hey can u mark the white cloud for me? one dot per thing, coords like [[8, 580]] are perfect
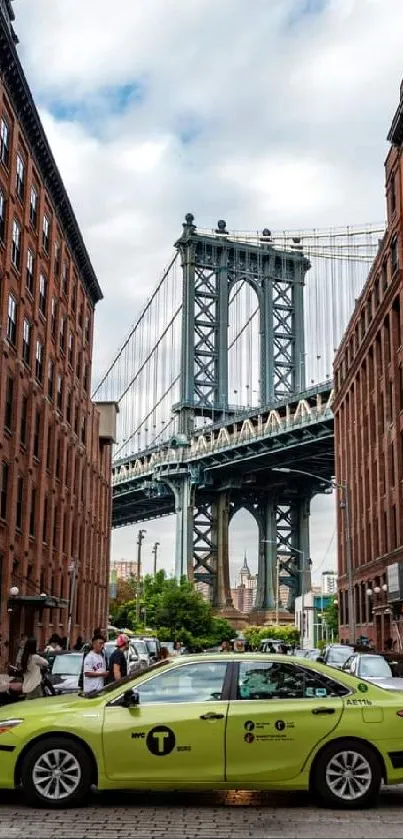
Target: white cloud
[[258, 113]]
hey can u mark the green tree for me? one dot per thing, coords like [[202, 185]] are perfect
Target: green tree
[[331, 616]]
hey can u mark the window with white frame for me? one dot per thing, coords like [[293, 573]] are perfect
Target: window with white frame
[[12, 320], [16, 245], [20, 177]]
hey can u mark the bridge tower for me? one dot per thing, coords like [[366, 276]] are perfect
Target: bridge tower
[[212, 265]]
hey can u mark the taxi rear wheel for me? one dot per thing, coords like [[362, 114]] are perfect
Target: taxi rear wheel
[[347, 774], [56, 773]]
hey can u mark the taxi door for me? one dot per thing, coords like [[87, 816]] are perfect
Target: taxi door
[[177, 731], [281, 712]]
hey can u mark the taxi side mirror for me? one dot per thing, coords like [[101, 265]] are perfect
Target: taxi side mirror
[[130, 699]]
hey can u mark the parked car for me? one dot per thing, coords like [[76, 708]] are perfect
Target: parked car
[[336, 655], [312, 655], [193, 720], [153, 646], [133, 661], [373, 668], [267, 642], [139, 647], [64, 671]]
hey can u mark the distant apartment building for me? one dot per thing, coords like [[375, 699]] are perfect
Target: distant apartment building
[[329, 582], [124, 569]]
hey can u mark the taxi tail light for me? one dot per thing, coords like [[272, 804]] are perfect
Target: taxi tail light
[[400, 713]]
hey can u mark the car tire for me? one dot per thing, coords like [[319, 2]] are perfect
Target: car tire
[[56, 772], [347, 774]]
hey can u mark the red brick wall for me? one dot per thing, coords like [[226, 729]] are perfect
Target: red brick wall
[[70, 471], [368, 412]]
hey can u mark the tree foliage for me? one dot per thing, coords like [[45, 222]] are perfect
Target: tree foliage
[[331, 616], [255, 634], [176, 611]]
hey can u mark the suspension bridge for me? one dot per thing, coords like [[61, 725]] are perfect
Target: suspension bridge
[[225, 378]]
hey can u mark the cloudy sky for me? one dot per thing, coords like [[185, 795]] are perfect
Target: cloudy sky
[[265, 113]]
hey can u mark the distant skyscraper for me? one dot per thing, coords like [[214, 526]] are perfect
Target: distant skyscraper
[[244, 594]]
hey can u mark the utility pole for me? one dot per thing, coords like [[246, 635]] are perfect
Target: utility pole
[[277, 588], [73, 568], [154, 552], [140, 538]]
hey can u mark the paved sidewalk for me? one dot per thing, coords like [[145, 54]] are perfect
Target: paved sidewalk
[[232, 815]]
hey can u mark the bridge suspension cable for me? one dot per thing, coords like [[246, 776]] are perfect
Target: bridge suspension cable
[[144, 376]]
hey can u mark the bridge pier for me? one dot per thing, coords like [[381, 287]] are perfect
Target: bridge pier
[[222, 598], [267, 556]]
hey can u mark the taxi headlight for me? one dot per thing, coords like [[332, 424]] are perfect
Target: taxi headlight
[[6, 725]]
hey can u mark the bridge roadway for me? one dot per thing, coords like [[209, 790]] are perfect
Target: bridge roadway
[[221, 815], [235, 454]]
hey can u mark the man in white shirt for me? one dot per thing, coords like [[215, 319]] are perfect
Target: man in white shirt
[[95, 671]]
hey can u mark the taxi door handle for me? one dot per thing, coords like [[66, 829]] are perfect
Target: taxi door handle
[[323, 710], [212, 716]]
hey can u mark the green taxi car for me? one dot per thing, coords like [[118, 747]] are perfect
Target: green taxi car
[[213, 721]]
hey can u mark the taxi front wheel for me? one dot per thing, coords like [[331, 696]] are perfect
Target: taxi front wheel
[[347, 774], [56, 773]]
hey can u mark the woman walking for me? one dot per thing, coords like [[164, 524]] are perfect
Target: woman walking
[[31, 664]]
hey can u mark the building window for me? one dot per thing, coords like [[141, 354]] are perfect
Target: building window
[[55, 526], [24, 415], [394, 254], [33, 208], [5, 472], [2, 216], [68, 407], [4, 142], [45, 519], [74, 298], [59, 398], [78, 366], [43, 294], [26, 342], [71, 349], [57, 465], [51, 377], [49, 447], [29, 279], [20, 495], [39, 361], [57, 259], [8, 408], [53, 315], [76, 421], [62, 334], [20, 178], [392, 195], [83, 430], [87, 328], [85, 377], [80, 316], [32, 512], [12, 320], [46, 233], [16, 245], [65, 282], [37, 431]]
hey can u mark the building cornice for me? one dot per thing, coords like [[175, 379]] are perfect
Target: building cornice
[[21, 98]]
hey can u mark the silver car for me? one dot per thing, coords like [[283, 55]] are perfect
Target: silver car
[[139, 649], [373, 668]]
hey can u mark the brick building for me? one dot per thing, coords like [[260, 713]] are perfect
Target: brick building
[[368, 412], [55, 446]]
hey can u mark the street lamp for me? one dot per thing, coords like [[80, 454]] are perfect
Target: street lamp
[[345, 505]]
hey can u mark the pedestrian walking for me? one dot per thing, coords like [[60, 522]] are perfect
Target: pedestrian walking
[[31, 664], [54, 644], [118, 659], [94, 667]]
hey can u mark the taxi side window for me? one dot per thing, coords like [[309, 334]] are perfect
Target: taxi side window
[[189, 683], [277, 680]]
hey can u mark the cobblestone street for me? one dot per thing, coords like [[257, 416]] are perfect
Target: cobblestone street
[[202, 816]]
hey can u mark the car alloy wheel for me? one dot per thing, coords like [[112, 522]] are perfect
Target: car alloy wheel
[[348, 775], [56, 774]]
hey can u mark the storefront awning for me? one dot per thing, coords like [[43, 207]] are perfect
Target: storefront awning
[[38, 601]]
